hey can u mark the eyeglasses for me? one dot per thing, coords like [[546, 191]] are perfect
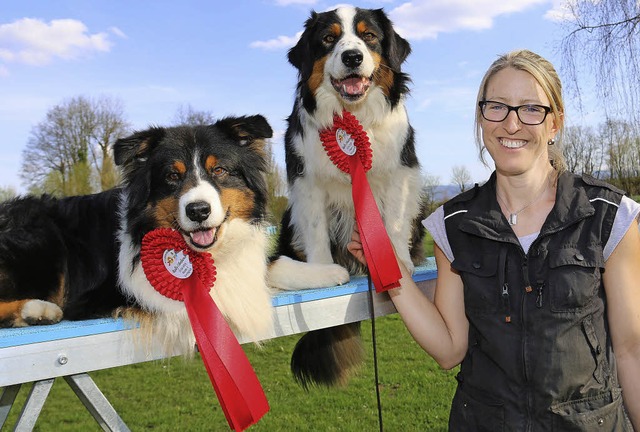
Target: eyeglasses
[[527, 114]]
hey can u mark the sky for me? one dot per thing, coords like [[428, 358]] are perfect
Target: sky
[[230, 58]]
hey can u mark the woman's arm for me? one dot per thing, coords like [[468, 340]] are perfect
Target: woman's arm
[[440, 328], [623, 308]]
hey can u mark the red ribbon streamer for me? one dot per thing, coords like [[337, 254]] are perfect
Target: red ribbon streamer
[[378, 251], [236, 385]]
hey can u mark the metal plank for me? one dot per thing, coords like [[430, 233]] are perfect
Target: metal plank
[[7, 398], [96, 403], [33, 405]]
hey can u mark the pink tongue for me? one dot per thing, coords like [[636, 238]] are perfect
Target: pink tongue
[[202, 238], [352, 85]]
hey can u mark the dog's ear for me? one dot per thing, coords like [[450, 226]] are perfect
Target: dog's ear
[[299, 55], [137, 146], [397, 48], [246, 129]]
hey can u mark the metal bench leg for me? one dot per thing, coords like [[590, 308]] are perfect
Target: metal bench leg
[[7, 398], [33, 405], [96, 403]]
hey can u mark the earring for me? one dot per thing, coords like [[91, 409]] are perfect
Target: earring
[[551, 142]]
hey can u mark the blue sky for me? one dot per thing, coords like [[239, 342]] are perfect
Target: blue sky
[[229, 58]]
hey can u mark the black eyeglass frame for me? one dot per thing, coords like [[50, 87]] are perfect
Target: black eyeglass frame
[[510, 108]]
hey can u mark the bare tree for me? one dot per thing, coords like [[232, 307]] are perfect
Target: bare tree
[[277, 189], [461, 177], [583, 150], [110, 125], [623, 152], [68, 152], [187, 115], [604, 36], [429, 191]]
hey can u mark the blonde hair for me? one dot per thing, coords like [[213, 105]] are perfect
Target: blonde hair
[[545, 74]]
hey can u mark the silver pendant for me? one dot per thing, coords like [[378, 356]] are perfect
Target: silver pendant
[[513, 219]]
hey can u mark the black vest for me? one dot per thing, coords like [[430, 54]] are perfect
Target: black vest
[[539, 355]]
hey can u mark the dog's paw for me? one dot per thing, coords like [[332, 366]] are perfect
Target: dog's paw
[[40, 312], [291, 275], [335, 275]]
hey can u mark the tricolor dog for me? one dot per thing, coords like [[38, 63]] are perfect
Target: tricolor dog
[[79, 257], [347, 59]]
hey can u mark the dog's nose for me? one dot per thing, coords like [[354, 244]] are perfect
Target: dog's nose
[[198, 211], [352, 58]]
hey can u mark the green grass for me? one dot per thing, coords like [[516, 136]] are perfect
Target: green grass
[[176, 394]]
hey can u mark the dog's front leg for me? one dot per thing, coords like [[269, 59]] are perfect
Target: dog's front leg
[[309, 220]]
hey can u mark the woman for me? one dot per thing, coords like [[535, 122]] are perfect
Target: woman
[[536, 285]]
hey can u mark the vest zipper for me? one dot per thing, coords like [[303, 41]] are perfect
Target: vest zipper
[[506, 303]]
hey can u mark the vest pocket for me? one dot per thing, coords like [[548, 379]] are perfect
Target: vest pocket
[[603, 412], [475, 410], [574, 277], [482, 293]]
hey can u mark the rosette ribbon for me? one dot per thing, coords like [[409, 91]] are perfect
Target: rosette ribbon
[[348, 147], [179, 273]]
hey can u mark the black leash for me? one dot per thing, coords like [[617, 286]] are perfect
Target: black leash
[[375, 350]]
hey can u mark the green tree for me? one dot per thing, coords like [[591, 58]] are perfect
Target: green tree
[[7, 193], [277, 189]]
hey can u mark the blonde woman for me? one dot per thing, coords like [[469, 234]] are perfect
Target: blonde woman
[[537, 297]]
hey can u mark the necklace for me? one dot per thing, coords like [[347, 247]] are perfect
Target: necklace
[[513, 215]]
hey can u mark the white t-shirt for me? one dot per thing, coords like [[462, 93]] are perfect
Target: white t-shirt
[[628, 213]]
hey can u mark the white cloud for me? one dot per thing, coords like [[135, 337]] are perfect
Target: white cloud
[[116, 31], [561, 11], [422, 19], [280, 42], [35, 42]]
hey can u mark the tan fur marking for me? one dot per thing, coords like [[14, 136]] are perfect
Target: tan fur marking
[[58, 296], [315, 80], [10, 313], [335, 29], [361, 27], [383, 75], [165, 212], [239, 203], [180, 166], [210, 163]]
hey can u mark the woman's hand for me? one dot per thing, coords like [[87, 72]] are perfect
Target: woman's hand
[[355, 245]]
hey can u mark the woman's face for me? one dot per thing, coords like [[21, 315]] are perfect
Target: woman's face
[[515, 147]]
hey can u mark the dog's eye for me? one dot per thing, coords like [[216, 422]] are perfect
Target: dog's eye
[[173, 177], [369, 37], [218, 171], [329, 39]]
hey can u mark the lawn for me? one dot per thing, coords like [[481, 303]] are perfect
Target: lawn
[[176, 394]]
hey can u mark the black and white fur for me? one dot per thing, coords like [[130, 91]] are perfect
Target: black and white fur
[[348, 58]]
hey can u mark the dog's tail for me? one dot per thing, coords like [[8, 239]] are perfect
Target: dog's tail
[[327, 357]]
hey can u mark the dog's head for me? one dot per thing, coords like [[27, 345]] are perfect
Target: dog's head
[[350, 50], [195, 179]]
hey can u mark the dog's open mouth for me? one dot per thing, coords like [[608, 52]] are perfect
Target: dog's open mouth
[[205, 238], [352, 87]]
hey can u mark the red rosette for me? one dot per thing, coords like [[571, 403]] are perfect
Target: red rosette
[[181, 274], [348, 147], [344, 139], [152, 253]]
